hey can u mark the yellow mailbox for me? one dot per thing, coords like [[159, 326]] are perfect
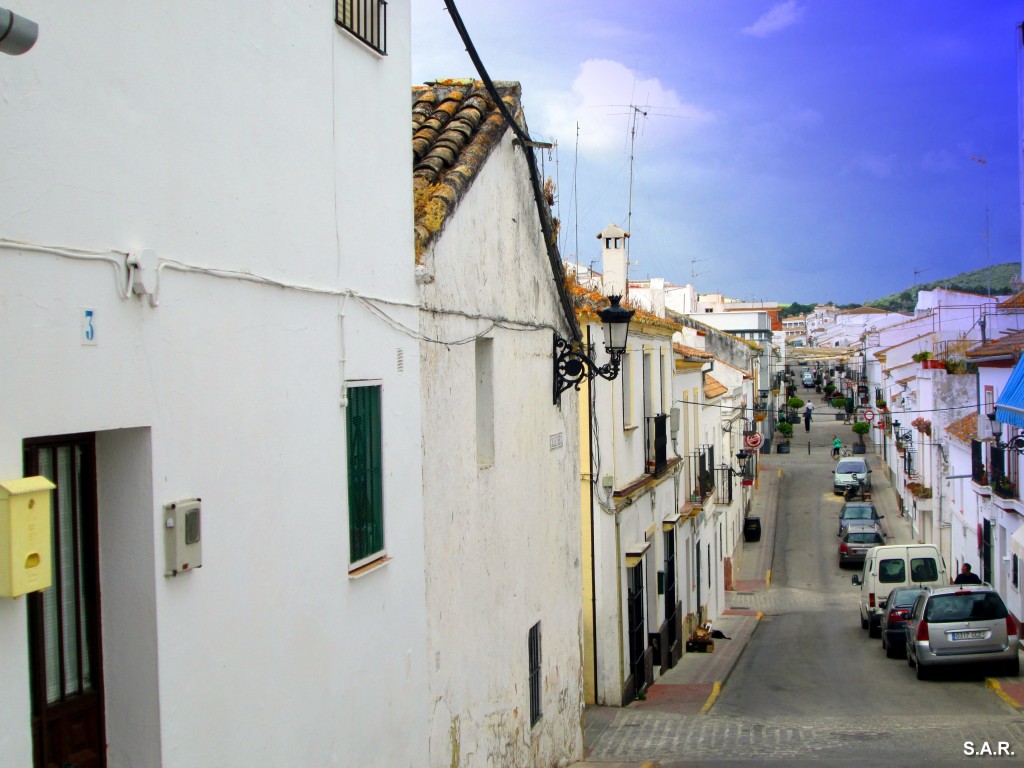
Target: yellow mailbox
[[25, 537]]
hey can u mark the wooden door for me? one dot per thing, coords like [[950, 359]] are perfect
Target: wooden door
[[64, 620]]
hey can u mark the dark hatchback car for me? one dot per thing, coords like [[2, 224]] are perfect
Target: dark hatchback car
[[894, 620], [859, 512], [857, 539]]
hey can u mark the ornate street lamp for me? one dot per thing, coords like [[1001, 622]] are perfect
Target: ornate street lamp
[[573, 365], [1016, 443]]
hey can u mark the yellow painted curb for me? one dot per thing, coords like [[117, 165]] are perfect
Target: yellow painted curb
[[717, 689], [768, 578], [760, 615], [995, 686]]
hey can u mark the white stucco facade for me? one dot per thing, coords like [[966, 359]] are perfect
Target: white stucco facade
[[225, 137], [501, 494], [631, 520]]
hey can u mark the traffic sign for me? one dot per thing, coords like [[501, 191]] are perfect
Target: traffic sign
[[753, 441], [869, 415]]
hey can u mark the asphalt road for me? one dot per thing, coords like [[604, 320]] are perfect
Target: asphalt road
[[811, 685]]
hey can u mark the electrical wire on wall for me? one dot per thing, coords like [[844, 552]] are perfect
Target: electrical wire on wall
[[375, 305]]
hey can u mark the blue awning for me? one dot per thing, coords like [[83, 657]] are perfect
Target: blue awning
[[1010, 405]]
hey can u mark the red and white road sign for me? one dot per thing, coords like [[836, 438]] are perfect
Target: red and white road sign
[[869, 415], [753, 441]]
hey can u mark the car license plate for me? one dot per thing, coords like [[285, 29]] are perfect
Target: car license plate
[[978, 635]]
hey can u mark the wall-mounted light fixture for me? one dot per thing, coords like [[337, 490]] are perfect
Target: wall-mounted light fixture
[[1016, 443], [573, 365], [17, 34]]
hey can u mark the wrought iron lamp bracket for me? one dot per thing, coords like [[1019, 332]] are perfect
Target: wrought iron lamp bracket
[[573, 366], [1016, 443]]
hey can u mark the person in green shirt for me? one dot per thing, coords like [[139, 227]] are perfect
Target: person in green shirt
[[836, 445]]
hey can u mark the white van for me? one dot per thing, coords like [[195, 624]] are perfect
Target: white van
[[895, 565]]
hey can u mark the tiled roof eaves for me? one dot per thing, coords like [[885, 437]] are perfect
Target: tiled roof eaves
[[1014, 302], [686, 351], [455, 128], [1011, 345], [886, 350], [965, 429], [713, 387]]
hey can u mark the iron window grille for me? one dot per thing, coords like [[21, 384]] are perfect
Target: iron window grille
[[535, 680], [366, 19]]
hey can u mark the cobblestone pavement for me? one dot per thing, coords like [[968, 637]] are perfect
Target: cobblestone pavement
[[638, 737]]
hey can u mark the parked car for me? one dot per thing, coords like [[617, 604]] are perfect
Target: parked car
[[893, 566], [859, 512], [961, 625], [857, 539], [851, 472], [808, 379], [894, 620]]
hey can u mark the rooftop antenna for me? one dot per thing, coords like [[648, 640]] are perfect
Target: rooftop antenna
[[918, 272], [694, 274], [988, 243]]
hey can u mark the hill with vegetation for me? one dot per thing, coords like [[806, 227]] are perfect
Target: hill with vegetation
[[999, 279]]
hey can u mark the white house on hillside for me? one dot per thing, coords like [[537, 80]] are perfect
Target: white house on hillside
[[500, 487], [209, 322]]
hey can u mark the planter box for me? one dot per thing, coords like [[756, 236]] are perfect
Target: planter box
[[782, 447], [933, 364], [858, 448], [840, 416]]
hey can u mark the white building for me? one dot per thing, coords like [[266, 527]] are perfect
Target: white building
[[500, 489], [630, 513], [207, 292]]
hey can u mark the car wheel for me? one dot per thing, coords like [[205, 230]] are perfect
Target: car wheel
[[891, 652], [1012, 668], [874, 631], [863, 623], [923, 673], [910, 659]]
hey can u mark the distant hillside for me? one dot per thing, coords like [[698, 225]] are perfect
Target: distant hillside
[[1005, 279]]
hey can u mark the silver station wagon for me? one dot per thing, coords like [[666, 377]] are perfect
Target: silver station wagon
[[966, 624]]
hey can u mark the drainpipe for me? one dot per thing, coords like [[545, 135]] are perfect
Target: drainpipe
[[593, 521]]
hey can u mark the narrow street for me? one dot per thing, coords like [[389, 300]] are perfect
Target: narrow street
[[810, 684]]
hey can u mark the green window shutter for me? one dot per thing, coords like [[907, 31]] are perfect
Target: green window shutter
[[365, 507]]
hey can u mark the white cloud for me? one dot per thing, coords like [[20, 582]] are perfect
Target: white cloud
[[879, 166], [599, 101], [777, 18]]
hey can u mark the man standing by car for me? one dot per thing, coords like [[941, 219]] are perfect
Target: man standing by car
[[966, 576]]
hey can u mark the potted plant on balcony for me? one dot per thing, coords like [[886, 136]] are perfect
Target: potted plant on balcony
[[860, 428], [786, 430], [1003, 487]]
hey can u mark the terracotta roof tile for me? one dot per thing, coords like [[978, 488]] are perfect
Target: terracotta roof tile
[[588, 302], [686, 351], [965, 429], [455, 126], [1014, 302], [713, 387], [1011, 344]]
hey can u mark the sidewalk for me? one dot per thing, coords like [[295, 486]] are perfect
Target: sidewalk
[[692, 686]]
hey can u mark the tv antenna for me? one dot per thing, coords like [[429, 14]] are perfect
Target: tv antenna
[[918, 272], [694, 274]]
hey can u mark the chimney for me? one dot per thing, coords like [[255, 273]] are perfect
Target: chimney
[[613, 257], [658, 296]]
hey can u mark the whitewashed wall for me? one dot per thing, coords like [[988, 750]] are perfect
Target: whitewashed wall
[[503, 541], [251, 137]]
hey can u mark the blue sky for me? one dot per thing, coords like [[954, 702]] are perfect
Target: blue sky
[[804, 150]]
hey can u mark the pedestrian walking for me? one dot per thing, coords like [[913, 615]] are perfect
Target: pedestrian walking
[[965, 576], [836, 445], [807, 419]]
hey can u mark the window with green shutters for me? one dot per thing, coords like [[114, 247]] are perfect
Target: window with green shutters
[[365, 503]]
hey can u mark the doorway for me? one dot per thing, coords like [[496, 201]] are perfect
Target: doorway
[[64, 621]]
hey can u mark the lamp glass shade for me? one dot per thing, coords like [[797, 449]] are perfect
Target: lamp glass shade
[[616, 325]]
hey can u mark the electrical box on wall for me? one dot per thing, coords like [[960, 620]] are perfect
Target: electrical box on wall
[[26, 539], [183, 541]]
